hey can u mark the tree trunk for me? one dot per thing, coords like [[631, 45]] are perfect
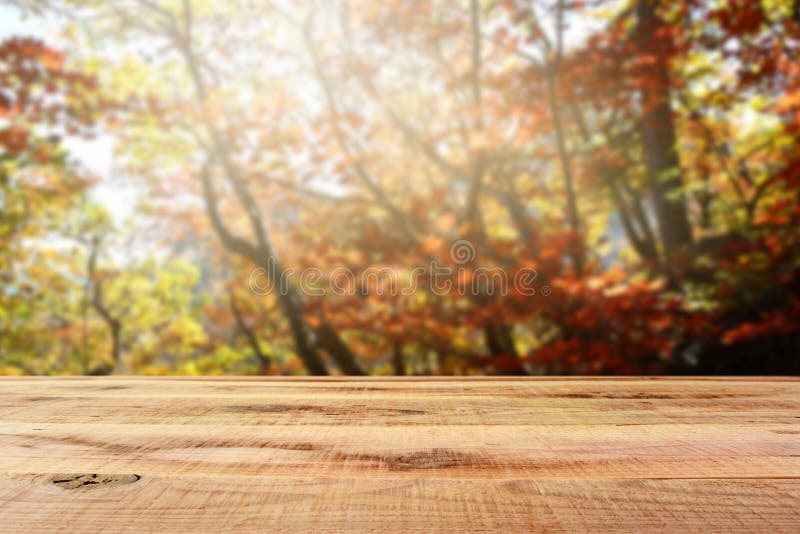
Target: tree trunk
[[328, 339], [499, 341], [398, 360], [116, 347], [252, 340], [573, 215], [302, 343], [658, 132]]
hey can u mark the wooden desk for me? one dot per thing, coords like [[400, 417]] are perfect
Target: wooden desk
[[399, 455]]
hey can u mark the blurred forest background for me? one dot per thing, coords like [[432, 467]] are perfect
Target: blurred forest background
[[641, 155]]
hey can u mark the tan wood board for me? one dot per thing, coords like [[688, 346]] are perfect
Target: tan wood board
[[399, 455]]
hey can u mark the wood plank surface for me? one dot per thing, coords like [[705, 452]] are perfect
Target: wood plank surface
[[399, 455]]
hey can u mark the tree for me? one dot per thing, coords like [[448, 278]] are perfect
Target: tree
[[640, 159]]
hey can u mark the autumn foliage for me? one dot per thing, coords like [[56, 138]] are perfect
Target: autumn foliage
[[639, 156]]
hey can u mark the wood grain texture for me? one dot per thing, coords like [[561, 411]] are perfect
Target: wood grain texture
[[399, 455]]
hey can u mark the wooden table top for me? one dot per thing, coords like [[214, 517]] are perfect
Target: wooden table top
[[399, 455]]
